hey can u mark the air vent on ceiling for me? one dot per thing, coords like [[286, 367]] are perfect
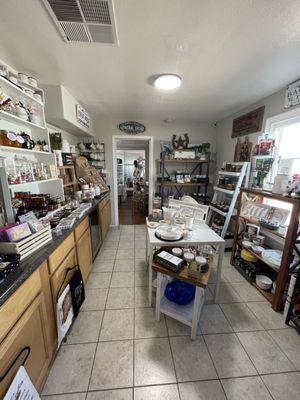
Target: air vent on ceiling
[[84, 20]]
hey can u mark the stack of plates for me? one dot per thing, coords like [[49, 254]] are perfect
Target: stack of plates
[[169, 232], [272, 257]]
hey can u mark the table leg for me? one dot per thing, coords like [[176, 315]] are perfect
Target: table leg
[[158, 296], [150, 273], [219, 270], [147, 249], [198, 304]]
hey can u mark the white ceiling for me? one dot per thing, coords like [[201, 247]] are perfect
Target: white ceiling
[[230, 53]]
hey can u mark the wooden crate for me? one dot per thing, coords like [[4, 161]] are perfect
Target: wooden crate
[[28, 245]]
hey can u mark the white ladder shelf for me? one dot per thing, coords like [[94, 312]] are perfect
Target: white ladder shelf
[[220, 194]]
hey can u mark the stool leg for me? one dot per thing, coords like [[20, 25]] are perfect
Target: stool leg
[[158, 296], [198, 304]]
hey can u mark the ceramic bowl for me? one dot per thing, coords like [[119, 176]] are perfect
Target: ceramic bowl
[[246, 244]]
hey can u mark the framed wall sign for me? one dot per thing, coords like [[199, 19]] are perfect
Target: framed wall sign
[[82, 116], [292, 94], [131, 127], [248, 123]]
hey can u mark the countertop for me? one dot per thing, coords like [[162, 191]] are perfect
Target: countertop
[[26, 268]]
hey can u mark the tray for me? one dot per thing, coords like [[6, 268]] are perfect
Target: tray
[[168, 240]]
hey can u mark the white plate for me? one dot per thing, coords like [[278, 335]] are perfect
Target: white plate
[[169, 232], [273, 257], [152, 224]]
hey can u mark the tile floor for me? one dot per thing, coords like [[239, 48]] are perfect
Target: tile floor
[[117, 351]]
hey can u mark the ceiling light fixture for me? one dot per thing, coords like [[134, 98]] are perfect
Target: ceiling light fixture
[[167, 82]]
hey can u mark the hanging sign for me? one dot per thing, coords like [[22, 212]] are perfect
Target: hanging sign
[[292, 94], [248, 123], [131, 127], [82, 116]]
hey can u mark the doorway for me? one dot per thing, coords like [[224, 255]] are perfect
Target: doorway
[[133, 179]]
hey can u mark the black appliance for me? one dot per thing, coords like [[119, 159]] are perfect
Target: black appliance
[[96, 238]]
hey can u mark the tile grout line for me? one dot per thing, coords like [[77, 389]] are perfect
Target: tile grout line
[[133, 342], [93, 363]]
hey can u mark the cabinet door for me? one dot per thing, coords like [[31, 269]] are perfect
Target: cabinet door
[[105, 218], [59, 275], [84, 254], [29, 331]]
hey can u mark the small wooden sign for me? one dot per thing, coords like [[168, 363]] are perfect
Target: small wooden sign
[[131, 127], [248, 123], [292, 94]]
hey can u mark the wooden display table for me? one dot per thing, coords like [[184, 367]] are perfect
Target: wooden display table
[[188, 314]]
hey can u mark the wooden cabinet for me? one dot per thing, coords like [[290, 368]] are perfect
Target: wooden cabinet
[[28, 333], [60, 253], [84, 254], [81, 228], [104, 216]]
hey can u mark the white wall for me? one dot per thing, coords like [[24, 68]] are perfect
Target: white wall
[[274, 105], [105, 128]]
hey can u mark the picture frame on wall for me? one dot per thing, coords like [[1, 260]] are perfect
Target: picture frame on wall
[[248, 123]]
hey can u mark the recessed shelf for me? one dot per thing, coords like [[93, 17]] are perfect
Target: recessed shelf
[[180, 184]]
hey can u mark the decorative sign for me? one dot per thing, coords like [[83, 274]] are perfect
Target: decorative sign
[[248, 123], [131, 127], [292, 94], [82, 116]]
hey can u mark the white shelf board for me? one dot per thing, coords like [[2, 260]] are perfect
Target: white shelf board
[[33, 183], [13, 118], [218, 211], [18, 149], [183, 314], [11, 87], [228, 173], [223, 190]]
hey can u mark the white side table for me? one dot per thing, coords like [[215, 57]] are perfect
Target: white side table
[[201, 234], [187, 314]]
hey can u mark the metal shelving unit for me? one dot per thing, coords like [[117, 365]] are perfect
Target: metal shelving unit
[[197, 168]]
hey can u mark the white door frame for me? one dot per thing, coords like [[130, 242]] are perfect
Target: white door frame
[[150, 161]]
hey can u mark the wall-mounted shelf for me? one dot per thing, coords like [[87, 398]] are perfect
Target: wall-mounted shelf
[[17, 185], [16, 91], [15, 119], [20, 149]]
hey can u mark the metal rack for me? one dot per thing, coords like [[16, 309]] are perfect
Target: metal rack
[[197, 167]]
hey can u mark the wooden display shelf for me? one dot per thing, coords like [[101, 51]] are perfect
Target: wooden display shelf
[[290, 241], [268, 295], [274, 196], [185, 161], [262, 228], [257, 256], [180, 184], [183, 275], [69, 184]]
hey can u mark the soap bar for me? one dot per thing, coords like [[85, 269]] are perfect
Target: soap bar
[[18, 232]]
